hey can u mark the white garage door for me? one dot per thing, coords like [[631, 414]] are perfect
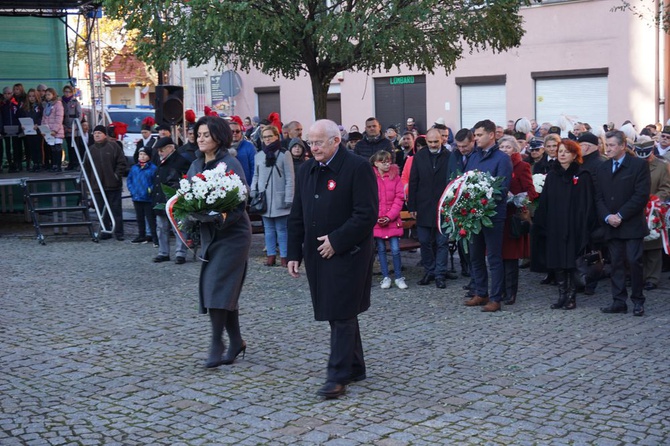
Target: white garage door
[[479, 102], [584, 98]]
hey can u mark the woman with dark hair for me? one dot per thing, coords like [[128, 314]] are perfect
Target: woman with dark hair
[[33, 143], [274, 175], [225, 240], [566, 217]]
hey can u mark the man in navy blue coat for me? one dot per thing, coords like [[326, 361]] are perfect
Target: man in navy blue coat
[[488, 243], [330, 226], [623, 184]]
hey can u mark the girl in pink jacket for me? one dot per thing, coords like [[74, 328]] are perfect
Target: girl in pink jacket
[[53, 118], [389, 223]]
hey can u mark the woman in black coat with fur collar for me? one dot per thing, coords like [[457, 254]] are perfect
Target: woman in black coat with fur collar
[[566, 217]]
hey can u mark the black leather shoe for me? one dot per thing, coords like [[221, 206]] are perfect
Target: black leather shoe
[[440, 283], [638, 310], [650, 286], [332, 390], [105, 236], [159, 259], [426, 279], [450, 275], [613, 309], [179, 260]]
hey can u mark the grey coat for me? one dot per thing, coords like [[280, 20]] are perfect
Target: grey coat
[[279, 192], [225, 250]]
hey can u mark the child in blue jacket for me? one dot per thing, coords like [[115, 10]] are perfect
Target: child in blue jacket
[[140, 181]]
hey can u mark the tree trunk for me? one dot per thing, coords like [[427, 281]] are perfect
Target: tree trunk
[[320, 84]]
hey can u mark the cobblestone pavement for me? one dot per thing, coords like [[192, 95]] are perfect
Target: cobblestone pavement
[[98, 345]]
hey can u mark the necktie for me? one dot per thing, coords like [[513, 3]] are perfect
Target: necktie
[[616, 166], [465, 160]]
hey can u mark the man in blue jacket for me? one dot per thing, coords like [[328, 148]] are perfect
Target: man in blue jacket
[[488, 243]]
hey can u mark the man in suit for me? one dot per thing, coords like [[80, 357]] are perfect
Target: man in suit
[[330, 226], [427, 180], [622, 185], [465, 145], [487, 245]]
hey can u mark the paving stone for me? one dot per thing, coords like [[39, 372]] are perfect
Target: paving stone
[[110, 351]]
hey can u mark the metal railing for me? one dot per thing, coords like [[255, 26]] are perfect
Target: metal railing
[[100, 212]]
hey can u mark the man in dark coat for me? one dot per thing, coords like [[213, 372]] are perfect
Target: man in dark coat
[[427, 180], [110, 165], [334, 210], [622, 192], [592, 159], [373, 141], [171, 168], [458, 161], [487, 245]]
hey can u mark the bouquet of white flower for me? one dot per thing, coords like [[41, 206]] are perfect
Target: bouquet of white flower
[[209, 193], [468, 204], [538, 182]]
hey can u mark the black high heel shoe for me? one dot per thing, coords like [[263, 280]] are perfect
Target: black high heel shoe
[[215, 353], [227, 360]]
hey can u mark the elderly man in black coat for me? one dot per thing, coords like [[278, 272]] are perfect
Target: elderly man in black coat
[[623, 184], [330, 227]]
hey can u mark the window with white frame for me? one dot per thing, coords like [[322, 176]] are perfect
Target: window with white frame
[[199, 94]]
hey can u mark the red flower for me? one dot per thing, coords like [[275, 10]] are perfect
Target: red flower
[[575, 180], [656, 220], [464, 211], [462, 233], [201, 176], [466, 195], [473, 211], [485, 201]]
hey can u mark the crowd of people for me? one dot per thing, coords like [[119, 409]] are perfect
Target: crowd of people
[[39, 147], [335, 196]]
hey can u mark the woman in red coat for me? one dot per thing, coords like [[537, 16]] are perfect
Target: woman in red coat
[[514, 249], [389, 224]]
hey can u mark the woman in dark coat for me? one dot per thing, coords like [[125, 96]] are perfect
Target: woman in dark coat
[[566, 216], [225, 242], [514, 249]]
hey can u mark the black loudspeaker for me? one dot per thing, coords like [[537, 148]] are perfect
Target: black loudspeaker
[[169, 104]]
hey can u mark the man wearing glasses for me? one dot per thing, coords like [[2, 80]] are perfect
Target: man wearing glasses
[[330, 227], [663, 145]]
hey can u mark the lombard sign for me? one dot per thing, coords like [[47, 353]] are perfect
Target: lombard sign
[[401, 80]]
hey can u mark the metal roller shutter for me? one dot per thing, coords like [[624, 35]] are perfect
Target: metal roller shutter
[[584, 98], [480, 102]]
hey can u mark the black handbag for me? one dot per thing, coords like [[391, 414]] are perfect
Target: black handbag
[[589, 267], [259, 204], [519, 224]]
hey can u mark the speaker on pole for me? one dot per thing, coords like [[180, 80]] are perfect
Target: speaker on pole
[[169, 104]]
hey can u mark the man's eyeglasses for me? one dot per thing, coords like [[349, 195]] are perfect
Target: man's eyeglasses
[[319, 143]]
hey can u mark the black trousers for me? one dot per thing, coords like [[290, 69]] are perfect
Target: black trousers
[[114, 199], [144, 211], [624, 251], [346, 351]]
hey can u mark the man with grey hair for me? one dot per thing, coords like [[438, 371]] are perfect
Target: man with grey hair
[[334, 210]]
